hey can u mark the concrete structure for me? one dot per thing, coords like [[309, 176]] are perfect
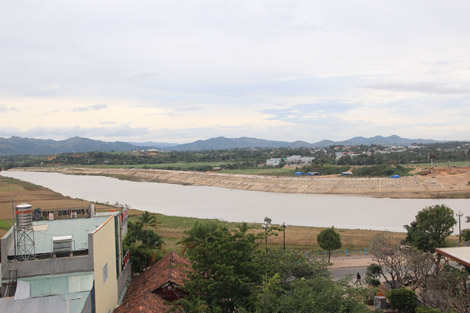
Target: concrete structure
[[273, 162], [71, 246]]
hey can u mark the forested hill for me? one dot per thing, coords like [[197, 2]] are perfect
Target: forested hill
[[24, 146], [21, 146]]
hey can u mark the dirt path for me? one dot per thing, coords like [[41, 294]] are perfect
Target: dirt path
[[440, 183]]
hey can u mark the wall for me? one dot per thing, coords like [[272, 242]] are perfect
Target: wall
[[104, 252]]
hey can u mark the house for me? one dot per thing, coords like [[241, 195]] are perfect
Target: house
[[273, 162], [157, 287], [78, 258]]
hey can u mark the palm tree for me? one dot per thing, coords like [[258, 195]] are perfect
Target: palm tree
[[198, 232], [147, 220]]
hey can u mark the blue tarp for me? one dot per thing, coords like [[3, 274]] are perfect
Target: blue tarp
[[299, 173], [395, 176]]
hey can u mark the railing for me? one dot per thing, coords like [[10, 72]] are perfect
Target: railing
[[346, 252]]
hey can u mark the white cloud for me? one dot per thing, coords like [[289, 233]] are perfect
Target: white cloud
[[285, 69]]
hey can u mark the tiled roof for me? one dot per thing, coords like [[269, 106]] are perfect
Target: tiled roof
[[141, 296]]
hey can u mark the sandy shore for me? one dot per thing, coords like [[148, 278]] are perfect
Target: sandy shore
[[442, 183]]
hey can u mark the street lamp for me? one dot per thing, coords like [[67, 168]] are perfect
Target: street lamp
[[284, 226], [460, 214], [266, 225]]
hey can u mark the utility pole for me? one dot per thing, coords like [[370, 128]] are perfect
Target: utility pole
[[460, 214]]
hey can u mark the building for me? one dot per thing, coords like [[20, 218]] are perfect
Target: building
[[158, 285], [460, 255], [82, 255], [273, 162]]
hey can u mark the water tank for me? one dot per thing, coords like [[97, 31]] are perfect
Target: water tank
[[24, 216]]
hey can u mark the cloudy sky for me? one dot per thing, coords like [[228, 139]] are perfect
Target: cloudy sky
[[178, 71]]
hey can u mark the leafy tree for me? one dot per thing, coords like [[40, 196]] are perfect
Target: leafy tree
[[403, 300], [373, 273], [143, 244], [329, 240], [466, 234], [223, 268], [431, 228]]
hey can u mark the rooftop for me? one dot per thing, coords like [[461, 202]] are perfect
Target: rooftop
[[460, 255], [50, 293], [146, 292], [78, 228]]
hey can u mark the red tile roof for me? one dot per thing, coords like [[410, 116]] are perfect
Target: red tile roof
[[146, 291]]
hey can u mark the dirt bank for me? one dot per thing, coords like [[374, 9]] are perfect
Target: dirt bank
[[435, 183]]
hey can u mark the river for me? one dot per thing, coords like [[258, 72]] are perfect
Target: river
[[242, 205]]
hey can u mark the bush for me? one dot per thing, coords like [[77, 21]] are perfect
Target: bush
[[466, 234], [426, 309], [403, 300], [373, 275]]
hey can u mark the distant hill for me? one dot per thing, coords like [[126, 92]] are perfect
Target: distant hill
[[221, 143], [393, 140], [19, 146]]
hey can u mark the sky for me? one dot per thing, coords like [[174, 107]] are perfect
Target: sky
[[179, 71]]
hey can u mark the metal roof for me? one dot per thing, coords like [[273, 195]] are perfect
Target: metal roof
[[460, 255], [78, 228], [50, 293]]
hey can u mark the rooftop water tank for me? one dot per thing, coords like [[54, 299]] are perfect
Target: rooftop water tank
[[24, 216]]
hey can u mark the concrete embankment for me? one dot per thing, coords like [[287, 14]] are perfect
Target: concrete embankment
[[404, 187]]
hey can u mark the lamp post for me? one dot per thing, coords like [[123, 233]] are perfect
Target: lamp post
[[284, 226], [460, 214], [266, 225]]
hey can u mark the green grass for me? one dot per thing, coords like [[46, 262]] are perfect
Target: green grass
[[11, 181], [262, 171], [6, 224]]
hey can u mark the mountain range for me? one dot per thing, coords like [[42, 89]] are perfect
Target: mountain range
[[22, 146]]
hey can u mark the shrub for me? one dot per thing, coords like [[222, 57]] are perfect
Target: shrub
[[403, 300]]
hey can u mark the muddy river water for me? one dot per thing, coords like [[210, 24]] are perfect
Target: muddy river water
[[242, 205]]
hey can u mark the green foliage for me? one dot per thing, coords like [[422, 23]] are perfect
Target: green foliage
[[143, 244], [431, 228], [373, 275], [329, 240], [403, 300], [381, 171], [426, 309], [224, 270], [466, 234]]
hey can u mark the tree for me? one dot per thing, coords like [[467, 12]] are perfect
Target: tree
[[292, 283], [432, 226], [404, 300], [373, 273], [224, 270], [147, 220], [329, 240], [143, 245], [386, 252]]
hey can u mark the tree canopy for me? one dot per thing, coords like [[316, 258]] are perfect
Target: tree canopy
[[329, 240], [432, 226]]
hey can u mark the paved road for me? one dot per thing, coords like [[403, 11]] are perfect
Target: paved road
[[338, 273]]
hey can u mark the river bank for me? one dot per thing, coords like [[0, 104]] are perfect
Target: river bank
[[440, 183]]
